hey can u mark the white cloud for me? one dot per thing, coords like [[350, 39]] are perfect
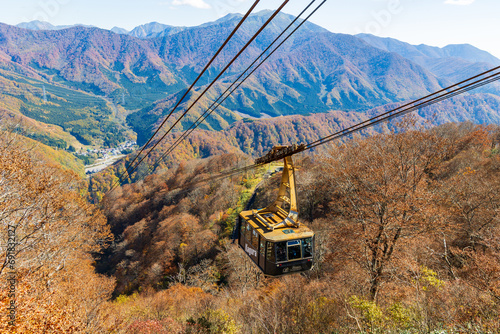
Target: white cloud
[[194, 3], [459, 2]]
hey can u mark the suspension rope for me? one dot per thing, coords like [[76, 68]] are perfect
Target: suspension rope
[[211, 109], [211, 84], [243, 19], [368, 123]]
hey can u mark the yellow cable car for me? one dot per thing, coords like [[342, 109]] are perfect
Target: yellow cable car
[[273, 237]]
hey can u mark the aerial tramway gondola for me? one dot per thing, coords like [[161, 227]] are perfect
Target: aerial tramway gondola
[[273, 237]]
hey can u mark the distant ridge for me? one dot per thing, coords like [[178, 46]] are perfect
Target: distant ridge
[[153, 29], [42, 25], [454, 62], [418, 53], [118, 30], [36, 25]]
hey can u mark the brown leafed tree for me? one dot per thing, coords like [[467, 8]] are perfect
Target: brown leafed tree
[[382, 189], [55, 230], [472, 203]]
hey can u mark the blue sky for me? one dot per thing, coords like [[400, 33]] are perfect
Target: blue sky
[[433, 22]]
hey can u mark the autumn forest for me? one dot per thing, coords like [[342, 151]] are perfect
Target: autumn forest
[[406, 225]]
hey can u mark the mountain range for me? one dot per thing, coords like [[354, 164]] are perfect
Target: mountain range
[[453, 62], [142, 73], [42, 25], [148, 30]]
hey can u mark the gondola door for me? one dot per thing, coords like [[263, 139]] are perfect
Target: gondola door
[[262, 253]]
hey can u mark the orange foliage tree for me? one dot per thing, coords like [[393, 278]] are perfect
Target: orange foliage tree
[[47, 231]]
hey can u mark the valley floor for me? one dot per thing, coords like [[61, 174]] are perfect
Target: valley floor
[[101, 164]]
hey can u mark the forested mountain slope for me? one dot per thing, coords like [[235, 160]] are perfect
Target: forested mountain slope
[[453, 62], [102, 76], [256, 137], [403, 233]]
